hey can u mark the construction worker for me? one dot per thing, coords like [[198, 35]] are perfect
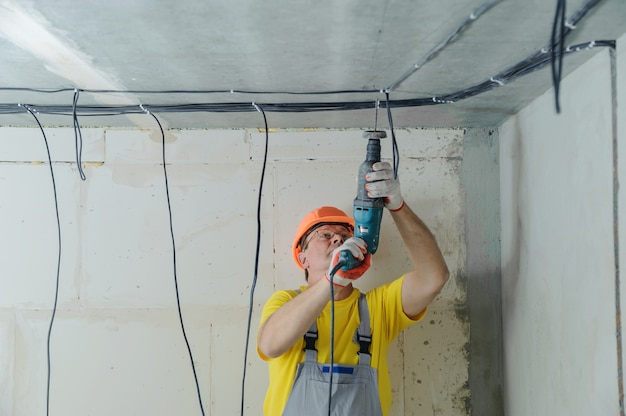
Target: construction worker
[[295, 332]]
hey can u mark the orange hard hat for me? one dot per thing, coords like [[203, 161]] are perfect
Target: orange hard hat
[[315, 218]]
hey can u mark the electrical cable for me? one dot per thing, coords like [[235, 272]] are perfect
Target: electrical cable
[[394, 143], [78, 138], [528, 65], [331, 278], [171, 226], [256, 259], [232, 91], [376, 115], [556, 41], [580, 14], [431, 54], [560, 29], [56, 291]]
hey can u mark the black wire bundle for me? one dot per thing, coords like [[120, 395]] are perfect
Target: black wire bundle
[[556, 58], [560, 28], [534, 62], [552, 53]]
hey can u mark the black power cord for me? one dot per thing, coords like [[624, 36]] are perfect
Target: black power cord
[[256, 259], [556, 42], [560, 29], [56, 290], [180, 313], [331, 278], [394, 143], [78, 137]]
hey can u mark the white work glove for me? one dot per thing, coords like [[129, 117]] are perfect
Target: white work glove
[[381, 184], [358, 248]]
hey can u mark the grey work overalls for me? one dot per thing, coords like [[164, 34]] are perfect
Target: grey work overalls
[[354, 388]]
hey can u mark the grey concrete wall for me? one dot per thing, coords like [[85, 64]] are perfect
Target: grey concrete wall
[[481, 183], [558, 250]]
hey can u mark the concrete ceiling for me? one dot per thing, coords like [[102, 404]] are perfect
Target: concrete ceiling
[[280, 47]]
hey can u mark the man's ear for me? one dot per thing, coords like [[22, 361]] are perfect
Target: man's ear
[[303, 260]]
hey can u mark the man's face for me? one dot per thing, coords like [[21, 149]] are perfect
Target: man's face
[[318, 247]]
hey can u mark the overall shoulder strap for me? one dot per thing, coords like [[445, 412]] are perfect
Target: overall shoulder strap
[[364, 333], [309, 341]]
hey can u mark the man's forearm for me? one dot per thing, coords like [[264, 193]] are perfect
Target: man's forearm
[[422, 284], [291, 321]]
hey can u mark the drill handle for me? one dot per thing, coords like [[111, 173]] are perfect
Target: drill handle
[[348, 260]]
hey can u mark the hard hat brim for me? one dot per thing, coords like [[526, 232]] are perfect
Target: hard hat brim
[[305, 227]]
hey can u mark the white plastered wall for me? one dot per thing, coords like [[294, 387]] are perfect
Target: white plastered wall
[[117, 345], [558, 258]]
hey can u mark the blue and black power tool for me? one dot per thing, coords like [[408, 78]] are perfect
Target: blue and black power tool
[[368, 212]]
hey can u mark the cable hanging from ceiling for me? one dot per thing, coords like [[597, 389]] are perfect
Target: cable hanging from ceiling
[[58, 262]]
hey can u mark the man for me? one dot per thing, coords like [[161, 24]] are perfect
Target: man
[[295, 332]]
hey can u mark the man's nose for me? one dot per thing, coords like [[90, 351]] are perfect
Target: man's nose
[[338, 238]]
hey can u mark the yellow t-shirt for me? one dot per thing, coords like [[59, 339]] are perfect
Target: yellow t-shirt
[[387, 319]]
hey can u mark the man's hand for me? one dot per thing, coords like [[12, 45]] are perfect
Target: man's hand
[[381, 184], [357, 248]]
